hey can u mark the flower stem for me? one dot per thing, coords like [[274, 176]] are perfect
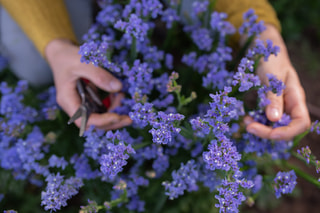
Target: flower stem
[[302, 174], [298, 138], [133, 50], [296, 155]]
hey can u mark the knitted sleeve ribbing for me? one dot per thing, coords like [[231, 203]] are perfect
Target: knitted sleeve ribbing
[[41, 20], [236, 8]]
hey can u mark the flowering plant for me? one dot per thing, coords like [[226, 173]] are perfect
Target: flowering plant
[[185, 90]]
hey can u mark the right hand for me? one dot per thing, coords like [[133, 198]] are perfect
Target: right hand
[[64, 61]]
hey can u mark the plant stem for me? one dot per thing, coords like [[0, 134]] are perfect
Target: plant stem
[[133, 50], [141, 145], [298, 138], [302, 174], [296, 155]]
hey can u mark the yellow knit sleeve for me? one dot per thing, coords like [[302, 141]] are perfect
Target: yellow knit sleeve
[[41, 20], [236, 8]]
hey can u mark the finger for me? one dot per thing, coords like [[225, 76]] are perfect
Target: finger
[[100, 77], [259, 130], [274, 110], [103, 119], [69, 101], [124, 121], [295, 127], [248, 120]]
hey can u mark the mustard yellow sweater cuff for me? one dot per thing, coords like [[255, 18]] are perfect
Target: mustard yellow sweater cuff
[[41, 20], [236, 8]]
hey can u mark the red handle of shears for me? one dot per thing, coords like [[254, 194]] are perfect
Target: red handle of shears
[[106, 100]]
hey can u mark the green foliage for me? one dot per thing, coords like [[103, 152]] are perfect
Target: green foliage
[[298, 17]]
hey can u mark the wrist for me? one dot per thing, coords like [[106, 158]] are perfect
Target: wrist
[[55, 47]]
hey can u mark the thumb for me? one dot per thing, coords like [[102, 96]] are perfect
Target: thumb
[[101, 78], [274, 110]]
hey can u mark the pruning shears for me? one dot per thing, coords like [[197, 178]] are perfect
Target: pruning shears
[[90, 103]]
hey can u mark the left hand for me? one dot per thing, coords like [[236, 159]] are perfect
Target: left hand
[[65, 63], [292, 101]]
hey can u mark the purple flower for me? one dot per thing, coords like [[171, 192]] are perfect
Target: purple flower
[[169, 16], [95, 142], [190, 58], [109, 15], [138, 78], [284, 183], [184, 179], [201, 37], [134, 27], [160, 164], [221, 26], [55, 161], [250, 25], [229, 197], [306, 153], [200, 127], [246, 80], [169, 61], [12, 107], [284, 121], [275, 86], [135, 204], [49, 107], [221, 155], [163, 127], [315, 127], [258, 182], [217, 79], [113, 162], [58, 191], [143, 8], [3, 63], [142, 114], [222, 110], [82, 167], [197, 149], [199, 7], [260, 49], [151, 7]]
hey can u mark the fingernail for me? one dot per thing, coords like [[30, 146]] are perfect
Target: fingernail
[[252, 131], [274, 113], [115, 85]]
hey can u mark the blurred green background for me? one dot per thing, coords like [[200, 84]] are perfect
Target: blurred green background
[[299, 19]]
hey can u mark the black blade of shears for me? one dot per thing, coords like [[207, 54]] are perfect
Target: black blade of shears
[[78, 113], [82, 111]]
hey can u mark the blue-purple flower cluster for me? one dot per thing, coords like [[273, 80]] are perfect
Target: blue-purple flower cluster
[[163, 124], [112, 163], [306, 153], [222, 155], [3, 62], [315, 127], [230, 197], [58, 191], [285, 182], [201, 145], [276, 86], [250, 25], [184, 179]]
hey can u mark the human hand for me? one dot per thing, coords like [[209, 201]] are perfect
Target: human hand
[[65, 63], [292, 101]]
